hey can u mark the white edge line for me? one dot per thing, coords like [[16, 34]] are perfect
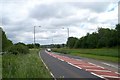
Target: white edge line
[[47, 67], [97, 75], [109, 65], [98, 70], [110, 76]]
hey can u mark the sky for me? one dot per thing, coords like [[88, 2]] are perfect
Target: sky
[[55, 17]]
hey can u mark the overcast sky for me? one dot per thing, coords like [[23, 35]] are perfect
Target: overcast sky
[[20, 16]]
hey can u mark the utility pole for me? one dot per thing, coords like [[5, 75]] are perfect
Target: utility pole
[[68, 32], [34, 35]]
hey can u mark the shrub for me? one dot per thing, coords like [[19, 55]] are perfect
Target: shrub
[[18, 49]]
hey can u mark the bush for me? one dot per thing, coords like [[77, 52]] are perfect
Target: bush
[[18, 49], [62, 51]]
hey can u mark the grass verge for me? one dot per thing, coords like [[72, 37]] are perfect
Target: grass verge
[[24, 66], [0, 66], [100, 54]]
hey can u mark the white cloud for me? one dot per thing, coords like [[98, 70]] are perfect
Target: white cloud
[[19, 17]]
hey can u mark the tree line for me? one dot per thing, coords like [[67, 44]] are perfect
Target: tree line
[[104, 37], [17, 48]]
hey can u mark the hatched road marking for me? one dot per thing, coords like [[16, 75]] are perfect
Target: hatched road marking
[[90, 67]]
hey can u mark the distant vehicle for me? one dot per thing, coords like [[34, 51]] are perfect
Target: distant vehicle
[[48, 49]]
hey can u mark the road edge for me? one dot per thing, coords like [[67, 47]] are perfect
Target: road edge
[[46, 66]]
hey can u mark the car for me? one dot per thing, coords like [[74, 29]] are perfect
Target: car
[[48, 49]]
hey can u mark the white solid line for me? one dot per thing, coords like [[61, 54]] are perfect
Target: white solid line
[[110, 76], [74, 65], [61, 59], [98, 70], [97, 75], [47, 67], [109, 65]]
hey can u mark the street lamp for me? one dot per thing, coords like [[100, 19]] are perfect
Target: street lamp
[[67, 32], [34, 34]]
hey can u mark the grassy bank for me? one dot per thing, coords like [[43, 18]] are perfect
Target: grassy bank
[[24, 66], [102, 54]]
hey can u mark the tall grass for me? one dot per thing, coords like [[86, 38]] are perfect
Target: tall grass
[[24, 66]]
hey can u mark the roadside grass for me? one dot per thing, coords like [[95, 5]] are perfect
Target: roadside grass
[[107, 54], [0, 66], [24, 66]]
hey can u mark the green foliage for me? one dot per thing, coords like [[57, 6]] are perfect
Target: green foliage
[[71, 42], [118, 33], [18, 49], [105, 37], [5, 42], [64, 51], [37, 45], [24, 66], [30, 46]]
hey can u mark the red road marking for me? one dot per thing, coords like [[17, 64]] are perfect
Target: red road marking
[[107, 74]]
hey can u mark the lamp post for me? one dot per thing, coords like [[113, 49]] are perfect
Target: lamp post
[[34, 34], [67, 32]]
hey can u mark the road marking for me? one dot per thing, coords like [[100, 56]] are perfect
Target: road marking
[[96, 65], [117, 73], [110, 76], [97, 70], [109, 65], [101, 76], [97, 75], [78, 59], [61, 59], [47, 67], [74, 65], [88, 66]]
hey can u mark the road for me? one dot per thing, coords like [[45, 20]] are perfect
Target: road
[[66, 67]]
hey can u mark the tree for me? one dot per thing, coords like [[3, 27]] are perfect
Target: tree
[[71, 42], [118, 33], [5, 42]]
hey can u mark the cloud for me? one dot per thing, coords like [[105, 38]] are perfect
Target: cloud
[[93, 6], [46, 11], [20, 17]]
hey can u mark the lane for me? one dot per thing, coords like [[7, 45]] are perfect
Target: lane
[[90, 67], [108, 65], [61, 69]]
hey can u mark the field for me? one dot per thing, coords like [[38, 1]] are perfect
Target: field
[[24, 66], [106, 54]]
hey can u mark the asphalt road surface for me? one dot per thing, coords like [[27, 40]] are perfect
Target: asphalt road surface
[[66, 67]]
